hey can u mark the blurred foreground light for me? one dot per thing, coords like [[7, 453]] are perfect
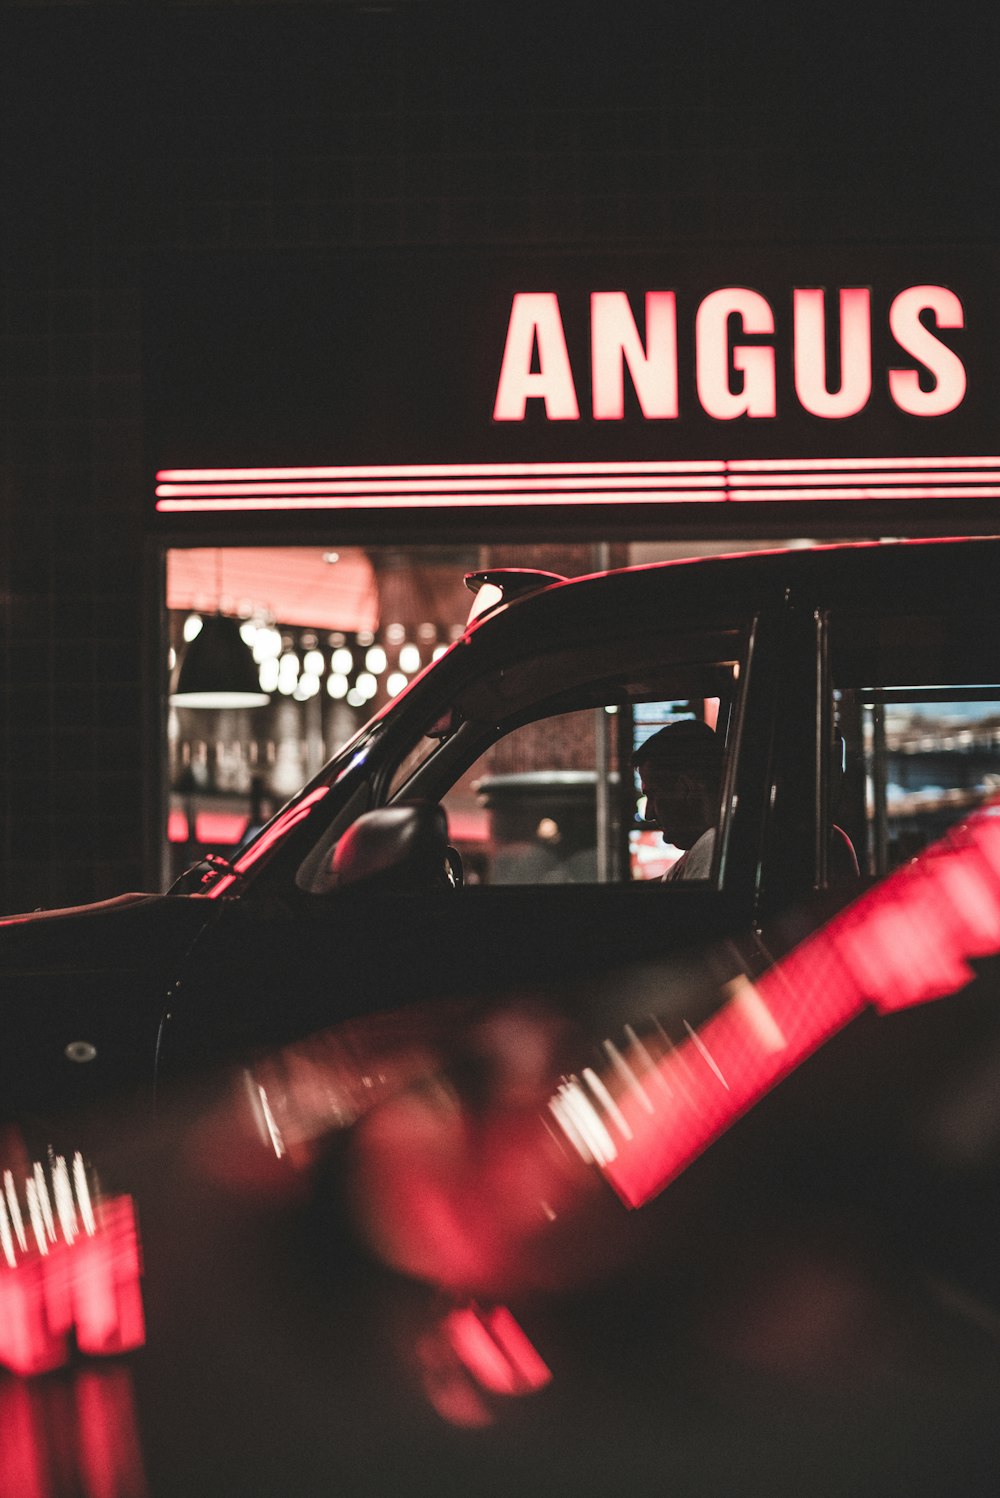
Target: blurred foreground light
[[476, 1352], [395, 683], [69, 1270]]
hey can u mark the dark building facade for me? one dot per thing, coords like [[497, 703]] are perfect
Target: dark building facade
[[175, 173]]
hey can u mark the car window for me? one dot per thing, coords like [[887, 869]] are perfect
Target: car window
[[917, 731], [539, 784]]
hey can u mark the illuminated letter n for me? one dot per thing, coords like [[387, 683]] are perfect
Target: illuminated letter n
[[615, 342]]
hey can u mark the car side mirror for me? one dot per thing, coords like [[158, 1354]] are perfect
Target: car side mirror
[[400, 847]]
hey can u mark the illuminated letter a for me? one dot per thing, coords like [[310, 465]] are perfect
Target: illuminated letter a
[[535, 319]]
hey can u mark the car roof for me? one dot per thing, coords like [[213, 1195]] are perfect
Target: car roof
[[960, 572]]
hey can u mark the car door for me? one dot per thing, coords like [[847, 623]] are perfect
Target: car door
[[531, 759]]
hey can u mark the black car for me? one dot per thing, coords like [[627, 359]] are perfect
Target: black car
[[854, 692], [448, 1023]]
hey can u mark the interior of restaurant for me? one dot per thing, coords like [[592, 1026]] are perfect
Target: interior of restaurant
[[322, 637]]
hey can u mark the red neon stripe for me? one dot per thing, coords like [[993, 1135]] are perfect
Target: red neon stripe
[[438, 502], [763, 465], [862, 491], [917, 476], [437, 470], [439, 486]]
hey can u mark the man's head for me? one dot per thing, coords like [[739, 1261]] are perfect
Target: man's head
[[680, 769]]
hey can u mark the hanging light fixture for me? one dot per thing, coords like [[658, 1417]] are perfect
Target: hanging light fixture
[[217, 668]]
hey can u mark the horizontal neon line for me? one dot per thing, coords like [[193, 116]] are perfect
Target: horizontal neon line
[[442, 486], [434, 470], [862, 491], [441, 501], [764, 465], [473, 501], [916, 476]]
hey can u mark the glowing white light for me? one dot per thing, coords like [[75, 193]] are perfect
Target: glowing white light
[[337, 684], [83, 1195], [266, 645], [356, 698], [274, 1133], [367, 685], [192, 627], [375, 659], [438, 652], [63, 1193], [604, 1097], [44, 1202], [582, 1124], [627, 1075], [342, 660], [287, 685], [395, 682], [268, 675], [308, 686], [289, 664], [171, 658], [314, 661], [248, 632], [331, 557], [611, 708], [35, 1211], [394, 633], [409, 658], [705, 1053]]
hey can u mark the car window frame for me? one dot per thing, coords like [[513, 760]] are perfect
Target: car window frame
[[472, 738]]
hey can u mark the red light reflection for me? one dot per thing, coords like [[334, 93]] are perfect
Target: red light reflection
[[473, 1352], [79, 1437], [69, 1270]]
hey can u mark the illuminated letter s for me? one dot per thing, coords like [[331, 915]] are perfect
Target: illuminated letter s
[[534, 318], [913, 338], [757, 398]]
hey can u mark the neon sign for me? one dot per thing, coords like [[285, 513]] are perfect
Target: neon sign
[[733, 377]]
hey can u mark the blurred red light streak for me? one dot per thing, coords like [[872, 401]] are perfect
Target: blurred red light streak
[[903, 943]]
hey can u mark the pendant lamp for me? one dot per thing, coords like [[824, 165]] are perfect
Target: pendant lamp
[[217, 669]]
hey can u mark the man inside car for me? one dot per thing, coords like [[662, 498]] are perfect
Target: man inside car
[[680, 771]]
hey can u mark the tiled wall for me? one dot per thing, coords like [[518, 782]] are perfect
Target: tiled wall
[[133, 131]]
